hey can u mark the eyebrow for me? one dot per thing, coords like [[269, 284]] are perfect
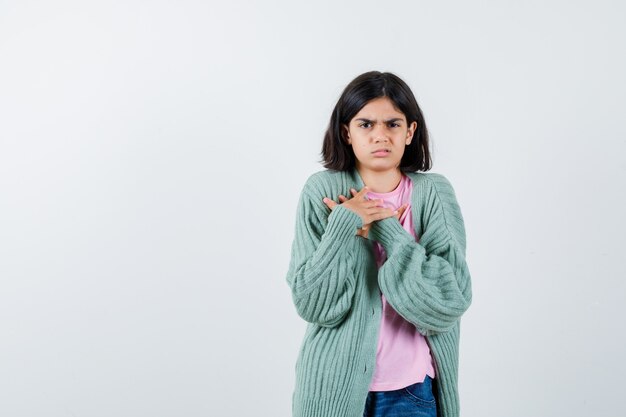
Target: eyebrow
[[395, 119]]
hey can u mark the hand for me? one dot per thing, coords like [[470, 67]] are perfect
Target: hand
[[368, 210]]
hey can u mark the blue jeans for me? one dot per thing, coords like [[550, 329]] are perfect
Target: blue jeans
[[417, 400]]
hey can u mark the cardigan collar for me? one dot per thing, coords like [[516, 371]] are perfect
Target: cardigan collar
[[358, 181]]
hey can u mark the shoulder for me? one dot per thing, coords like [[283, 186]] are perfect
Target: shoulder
[[317, 186], [433, 180], [433, 187], [321, 183], [437, 202]]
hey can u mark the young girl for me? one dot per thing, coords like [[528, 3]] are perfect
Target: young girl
[[378, 265]]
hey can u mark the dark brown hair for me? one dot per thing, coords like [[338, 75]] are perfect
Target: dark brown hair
[[337, 153]]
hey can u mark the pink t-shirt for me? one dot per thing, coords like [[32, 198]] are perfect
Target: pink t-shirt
[[403, 356]]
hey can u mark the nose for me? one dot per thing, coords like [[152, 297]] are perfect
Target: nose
[[379, 133]]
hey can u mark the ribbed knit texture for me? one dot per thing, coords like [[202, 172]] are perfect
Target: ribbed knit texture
[[335, 285]]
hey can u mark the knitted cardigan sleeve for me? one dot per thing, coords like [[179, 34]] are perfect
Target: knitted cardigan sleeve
[[321, 270], [428, 283]]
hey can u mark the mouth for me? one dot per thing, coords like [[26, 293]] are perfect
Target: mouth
[[381, 152]]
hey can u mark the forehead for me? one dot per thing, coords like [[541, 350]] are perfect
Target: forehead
[[381, 107]]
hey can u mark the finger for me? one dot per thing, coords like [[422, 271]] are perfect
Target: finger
[[401, 211], [363, 192], [330, 203], [342, 198], [373, 209], [377, 202], [381, 214]]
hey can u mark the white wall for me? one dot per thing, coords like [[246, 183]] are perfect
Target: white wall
[[151, 157]]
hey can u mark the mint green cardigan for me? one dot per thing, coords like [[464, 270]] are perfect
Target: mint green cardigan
[[335, 286]]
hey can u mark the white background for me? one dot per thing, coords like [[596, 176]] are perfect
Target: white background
[[151, 158]]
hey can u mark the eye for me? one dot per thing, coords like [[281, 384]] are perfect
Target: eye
[[394, 124], [365, 123]]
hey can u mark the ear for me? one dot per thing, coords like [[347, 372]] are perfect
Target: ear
[[346, 133], [410, 132]]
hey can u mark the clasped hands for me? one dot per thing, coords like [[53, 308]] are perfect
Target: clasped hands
[[368, 210]]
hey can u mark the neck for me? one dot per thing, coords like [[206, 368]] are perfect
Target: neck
[[380, 181]]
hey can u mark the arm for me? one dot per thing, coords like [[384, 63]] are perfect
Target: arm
[[320, 272], [428, 283]]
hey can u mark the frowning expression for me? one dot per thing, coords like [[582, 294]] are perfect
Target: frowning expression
[[379, 134]]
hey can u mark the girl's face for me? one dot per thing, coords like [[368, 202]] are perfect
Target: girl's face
[[378, 134]]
